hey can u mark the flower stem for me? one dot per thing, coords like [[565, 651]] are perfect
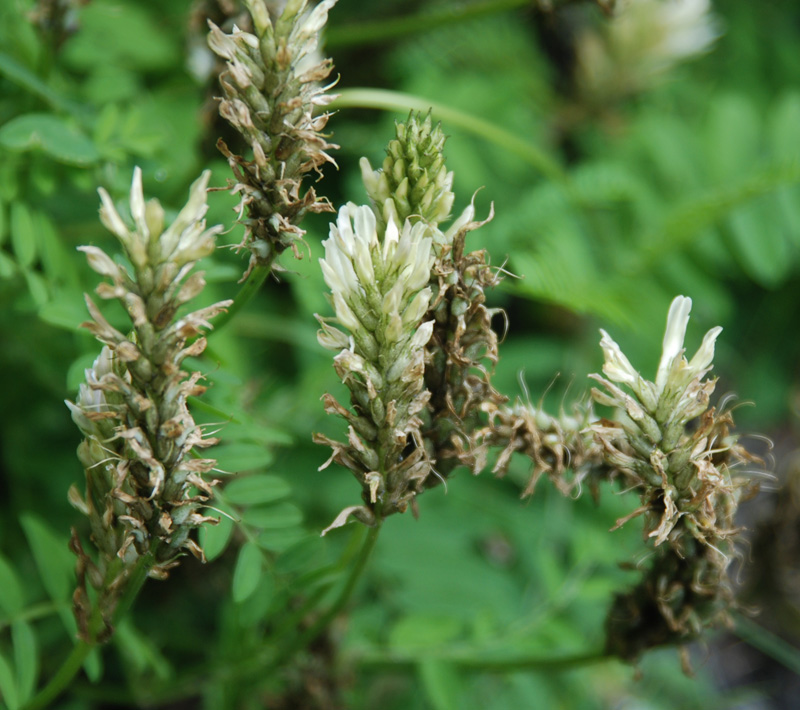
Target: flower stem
[[475, 662], [63, 677], [249, 289], [72, 664], [322, 623]]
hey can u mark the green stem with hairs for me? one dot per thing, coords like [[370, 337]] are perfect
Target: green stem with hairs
[[397, 101], [378, 31]]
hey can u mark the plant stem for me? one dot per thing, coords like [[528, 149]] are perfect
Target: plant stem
[[768, 643], [398, 101], [379, 31], [322, 623], [249, 289], [135, 583], [63, 677], [475, 662], [268, 661], [72, 664]]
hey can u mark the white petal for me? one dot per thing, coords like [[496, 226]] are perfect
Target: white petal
[[345, 314], [616, 366], [422, 336], [192, 212], [110, 217], [417, 308], [138, 211], [100, 262], [705, 355], [677, 320]]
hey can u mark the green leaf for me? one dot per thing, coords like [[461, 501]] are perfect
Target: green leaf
[[281, 539], [732, 137], [53, 559], [37, 287], [56, 136], [247, 573], [686, 221], [10, 183], [8, 687], [24, 77], [26, 658], [215, 538], [139, 651], [441, 684], [11, 598], [7, 266], [242, 457], [419, 631], [93, 665], [23, 234], [784, 120], [124, 35], [256, 607], [759, 244], [65, 311], [57, 263], [3, 223], [255, 490], [282, 515], [304, 555]]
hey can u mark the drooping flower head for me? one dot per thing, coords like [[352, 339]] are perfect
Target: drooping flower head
[[685, 478]]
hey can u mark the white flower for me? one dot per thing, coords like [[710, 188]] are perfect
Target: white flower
[[688, 28], [670, 30], [185, 240], [674, 372], [373, 277]]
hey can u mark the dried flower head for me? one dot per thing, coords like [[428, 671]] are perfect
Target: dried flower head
[[143, 487], [561, 447], [272, 91], [685, 478]]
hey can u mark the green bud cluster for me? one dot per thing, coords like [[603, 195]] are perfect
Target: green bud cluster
[[414, 182]]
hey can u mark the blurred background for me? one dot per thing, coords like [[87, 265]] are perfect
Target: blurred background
[[630, 157]]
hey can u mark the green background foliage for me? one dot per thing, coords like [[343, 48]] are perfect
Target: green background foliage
[[603, 214]]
